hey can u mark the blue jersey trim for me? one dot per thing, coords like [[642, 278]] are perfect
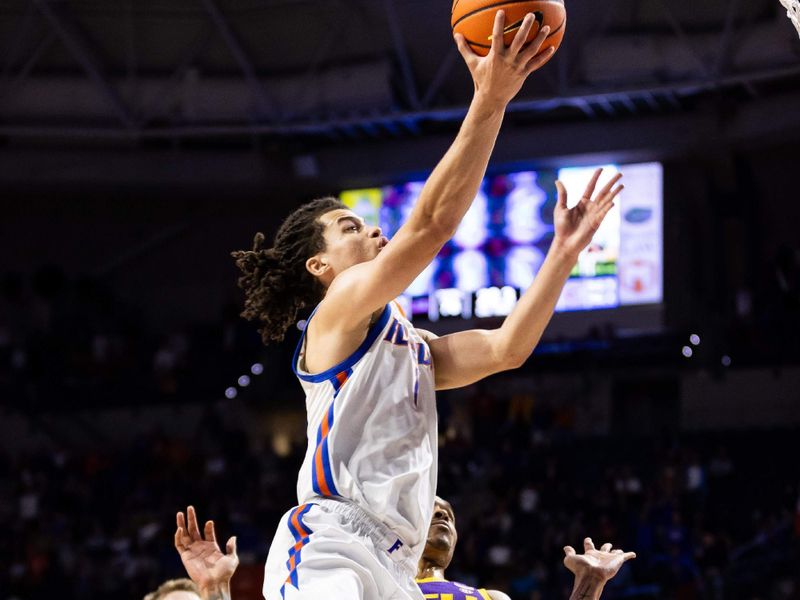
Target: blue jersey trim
[[301, 536], [326, 467], [351, 360], [327, 474]]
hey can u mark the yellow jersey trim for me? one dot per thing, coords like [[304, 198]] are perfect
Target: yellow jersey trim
[[484, 594]]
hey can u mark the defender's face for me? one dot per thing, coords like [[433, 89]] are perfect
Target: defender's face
[[348, 241], [442, 534]]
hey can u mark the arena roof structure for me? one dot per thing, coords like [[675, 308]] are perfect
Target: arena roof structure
[[332, 71]]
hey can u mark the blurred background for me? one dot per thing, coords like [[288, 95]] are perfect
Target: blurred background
[[141, 142]]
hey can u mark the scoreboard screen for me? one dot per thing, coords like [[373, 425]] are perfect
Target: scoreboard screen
[[501, 243]]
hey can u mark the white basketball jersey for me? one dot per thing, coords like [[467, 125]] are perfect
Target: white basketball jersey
[[372, 428]]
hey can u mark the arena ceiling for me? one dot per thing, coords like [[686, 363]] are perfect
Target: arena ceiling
[[340, 70]]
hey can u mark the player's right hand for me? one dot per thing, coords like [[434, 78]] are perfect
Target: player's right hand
[[499, 75]]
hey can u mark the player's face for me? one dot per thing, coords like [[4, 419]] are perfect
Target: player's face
[[348, 241], [442, 534]]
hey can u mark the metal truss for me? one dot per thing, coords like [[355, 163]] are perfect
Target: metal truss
[[421, 102], [638, 101], [264, 105], [69, 32]]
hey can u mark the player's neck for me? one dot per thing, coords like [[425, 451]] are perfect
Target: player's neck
[[429, 570]]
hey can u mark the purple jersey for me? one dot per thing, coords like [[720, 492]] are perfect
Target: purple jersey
[[439, 589]]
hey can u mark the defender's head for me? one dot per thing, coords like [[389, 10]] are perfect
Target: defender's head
[[442, 535], [313, 245], [175, 589]]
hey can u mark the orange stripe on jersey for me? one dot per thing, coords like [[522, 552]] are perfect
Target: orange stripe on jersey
[[399, 308], [342, 377], [325, 428], [296, 522]]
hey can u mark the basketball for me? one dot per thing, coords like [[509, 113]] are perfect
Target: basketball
[[474, 19]]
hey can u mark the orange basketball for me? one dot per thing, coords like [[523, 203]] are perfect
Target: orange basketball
[[474, 19]]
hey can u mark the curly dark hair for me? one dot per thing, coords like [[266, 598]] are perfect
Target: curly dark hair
[[275, 281]]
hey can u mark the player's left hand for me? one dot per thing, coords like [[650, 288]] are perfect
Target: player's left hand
[[205, 564], [602, 564], [574, 227], [499, 75]]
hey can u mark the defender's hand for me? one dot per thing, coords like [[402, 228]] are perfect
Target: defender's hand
[[499, 75], [205, 564], [600, 564], [575, 227]]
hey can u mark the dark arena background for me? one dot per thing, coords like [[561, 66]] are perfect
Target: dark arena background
[[142, 141]]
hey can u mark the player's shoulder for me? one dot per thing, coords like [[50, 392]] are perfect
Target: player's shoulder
[[496, 595], [339, 309], [443, 586]]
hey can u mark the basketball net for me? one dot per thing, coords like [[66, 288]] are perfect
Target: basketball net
[[793, 12]]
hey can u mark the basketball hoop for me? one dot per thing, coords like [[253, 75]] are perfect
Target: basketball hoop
[[793, 12]]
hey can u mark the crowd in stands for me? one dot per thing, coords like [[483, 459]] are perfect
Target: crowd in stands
[[72, 341], [709, 516], [75, 343]]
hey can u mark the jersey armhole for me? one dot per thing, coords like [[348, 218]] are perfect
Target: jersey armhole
[[348, 362]]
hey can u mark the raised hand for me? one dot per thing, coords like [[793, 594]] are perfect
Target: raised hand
[[574, 227], [205, 564], [499, 75], [596, 564]]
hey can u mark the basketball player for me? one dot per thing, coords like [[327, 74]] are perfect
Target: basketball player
[[592, 570], [366, 487]]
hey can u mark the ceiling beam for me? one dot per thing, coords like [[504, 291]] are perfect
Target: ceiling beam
[[409, 120], [69, 32], [264, 106], [23, 31], [442, 73], [321, 53], [401, 52], [683, 37], [153, 105], [768, 122], [11, 80]]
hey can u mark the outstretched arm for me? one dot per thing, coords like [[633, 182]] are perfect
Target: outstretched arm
[[468, 356], [450, 189], [594, 568], [205, 564]]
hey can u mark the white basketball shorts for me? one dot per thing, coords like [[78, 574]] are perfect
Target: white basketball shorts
[[331, 549]]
